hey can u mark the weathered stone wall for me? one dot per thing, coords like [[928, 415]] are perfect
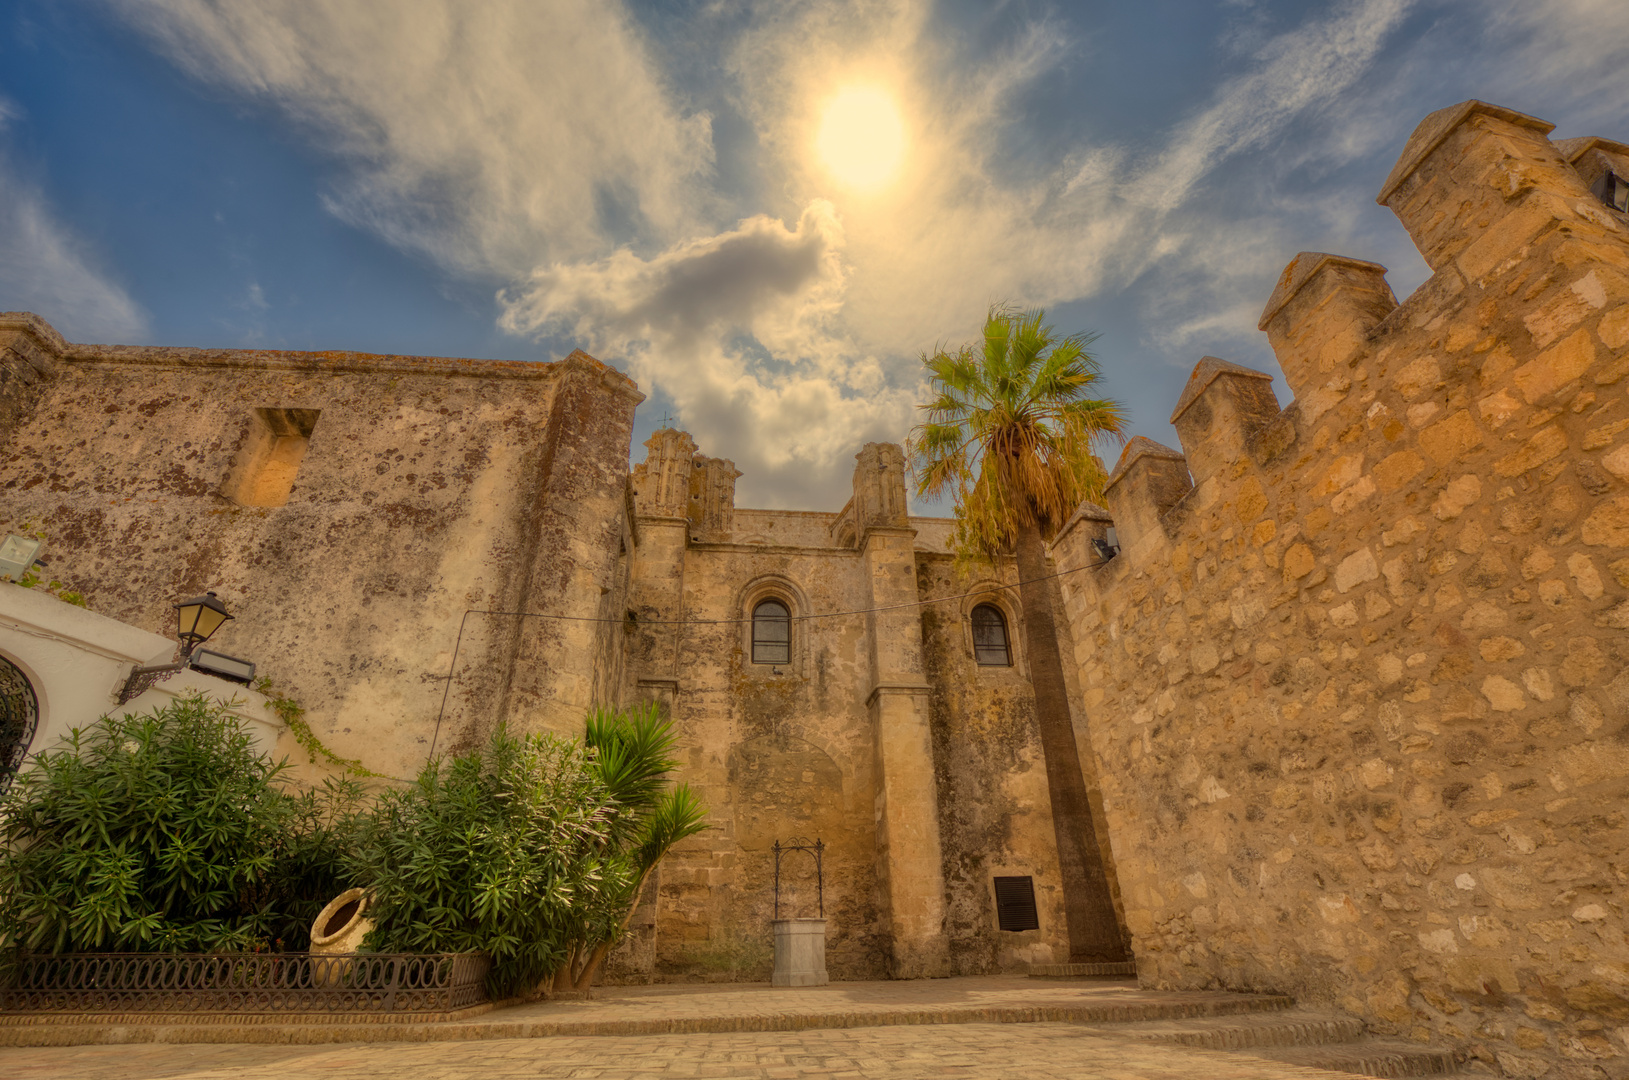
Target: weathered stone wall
[[428, 487], [995, 818], [920, 774], [1358, 680]]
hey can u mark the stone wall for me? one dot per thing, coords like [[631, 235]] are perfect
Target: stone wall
[[1358, 679], [421, 489], [918, 771]]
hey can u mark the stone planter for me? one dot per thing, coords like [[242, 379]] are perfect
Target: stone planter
[[800, 952], [337, 932]]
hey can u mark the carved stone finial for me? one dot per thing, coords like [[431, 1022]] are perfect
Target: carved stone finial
[[662, 481], [712, 498], [879, 487]]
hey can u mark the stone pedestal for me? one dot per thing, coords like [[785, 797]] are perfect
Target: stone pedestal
[[800, 952]]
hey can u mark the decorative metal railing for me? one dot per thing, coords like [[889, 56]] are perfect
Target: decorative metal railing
[[246, 983]]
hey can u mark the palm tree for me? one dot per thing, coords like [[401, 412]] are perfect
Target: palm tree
[[1009, 436], [632, 758]]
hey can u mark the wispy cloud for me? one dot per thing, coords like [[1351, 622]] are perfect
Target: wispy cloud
[[45, 268], [489, 136]]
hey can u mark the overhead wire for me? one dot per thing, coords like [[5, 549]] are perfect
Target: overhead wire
[[452, 669]]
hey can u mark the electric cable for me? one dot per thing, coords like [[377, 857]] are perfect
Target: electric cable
[[452, 669]]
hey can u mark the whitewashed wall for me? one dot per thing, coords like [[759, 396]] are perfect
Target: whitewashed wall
[[78, 660]]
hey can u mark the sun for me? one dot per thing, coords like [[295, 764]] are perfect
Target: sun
[[862, 138]]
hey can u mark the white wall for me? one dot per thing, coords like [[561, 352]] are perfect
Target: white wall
[[78, 661]]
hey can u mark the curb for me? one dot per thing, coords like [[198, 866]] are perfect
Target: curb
[[42, 1031]]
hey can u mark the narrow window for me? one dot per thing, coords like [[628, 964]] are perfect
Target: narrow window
[[771, 633], [1613, 190], [1015, 904], [264, 469], [990, 637]]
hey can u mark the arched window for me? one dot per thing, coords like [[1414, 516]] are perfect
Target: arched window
[[19, 713], [990, 637], [771, 633]]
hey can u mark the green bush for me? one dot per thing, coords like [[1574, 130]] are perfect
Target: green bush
[[533, 849], [630, 753], [169, 832], [166, 832], [489, 851]]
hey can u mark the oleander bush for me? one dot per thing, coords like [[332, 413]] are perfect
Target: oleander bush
[[532, 849], [170, 832], [167, 832]]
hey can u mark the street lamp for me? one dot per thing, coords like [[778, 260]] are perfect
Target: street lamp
[[197, 619]]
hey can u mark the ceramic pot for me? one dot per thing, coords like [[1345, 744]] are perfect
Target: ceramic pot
[[337, 932]]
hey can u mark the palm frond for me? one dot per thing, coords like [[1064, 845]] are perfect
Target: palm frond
[[1009, 433]]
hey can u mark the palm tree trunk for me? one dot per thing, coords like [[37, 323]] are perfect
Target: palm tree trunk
[[585, 978], [1094, 931]]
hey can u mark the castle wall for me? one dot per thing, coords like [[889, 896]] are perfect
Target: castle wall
[[1358, 680], [422, 488]]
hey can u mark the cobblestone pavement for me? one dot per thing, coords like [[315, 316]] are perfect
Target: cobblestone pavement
[[753, 1004], [921, 1052]]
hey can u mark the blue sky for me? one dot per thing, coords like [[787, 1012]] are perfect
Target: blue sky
[[645, 180]]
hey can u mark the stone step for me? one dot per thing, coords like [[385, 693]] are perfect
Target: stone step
[[1368, 1058], [1282, 1029], [1126, 969]]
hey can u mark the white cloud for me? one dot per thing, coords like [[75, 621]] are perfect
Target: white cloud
[[46, 269], [1560, 44], [489, 136], [743, 332]]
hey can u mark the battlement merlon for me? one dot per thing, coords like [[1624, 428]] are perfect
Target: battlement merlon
[[1477, 183], [1321, 313], [1148, 481], [1221, 411], [1592, 156]]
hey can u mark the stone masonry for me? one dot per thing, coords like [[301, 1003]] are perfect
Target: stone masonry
[[1353, 696], [1358, 679], [916, 767], [349, 509]]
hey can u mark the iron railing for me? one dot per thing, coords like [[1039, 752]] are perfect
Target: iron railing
[[246, 983]]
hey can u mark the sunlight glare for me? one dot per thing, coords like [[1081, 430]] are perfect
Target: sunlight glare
[[862, 138]]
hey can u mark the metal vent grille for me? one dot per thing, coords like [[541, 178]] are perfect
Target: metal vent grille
[[1015, 903]]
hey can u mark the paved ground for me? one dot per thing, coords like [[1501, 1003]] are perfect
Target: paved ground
[[921, 1030], [683, 1010], [939, 1052]]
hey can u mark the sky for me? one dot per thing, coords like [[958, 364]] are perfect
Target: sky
[[764, 211]]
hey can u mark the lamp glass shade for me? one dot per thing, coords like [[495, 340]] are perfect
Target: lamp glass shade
[[198, 618]]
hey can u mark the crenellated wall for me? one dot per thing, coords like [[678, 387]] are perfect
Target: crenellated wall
[[1358, 680]]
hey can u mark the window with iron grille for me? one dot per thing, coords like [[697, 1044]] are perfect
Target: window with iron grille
[[990, 637], [771, 633], [19, 714], [1015, 904]]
